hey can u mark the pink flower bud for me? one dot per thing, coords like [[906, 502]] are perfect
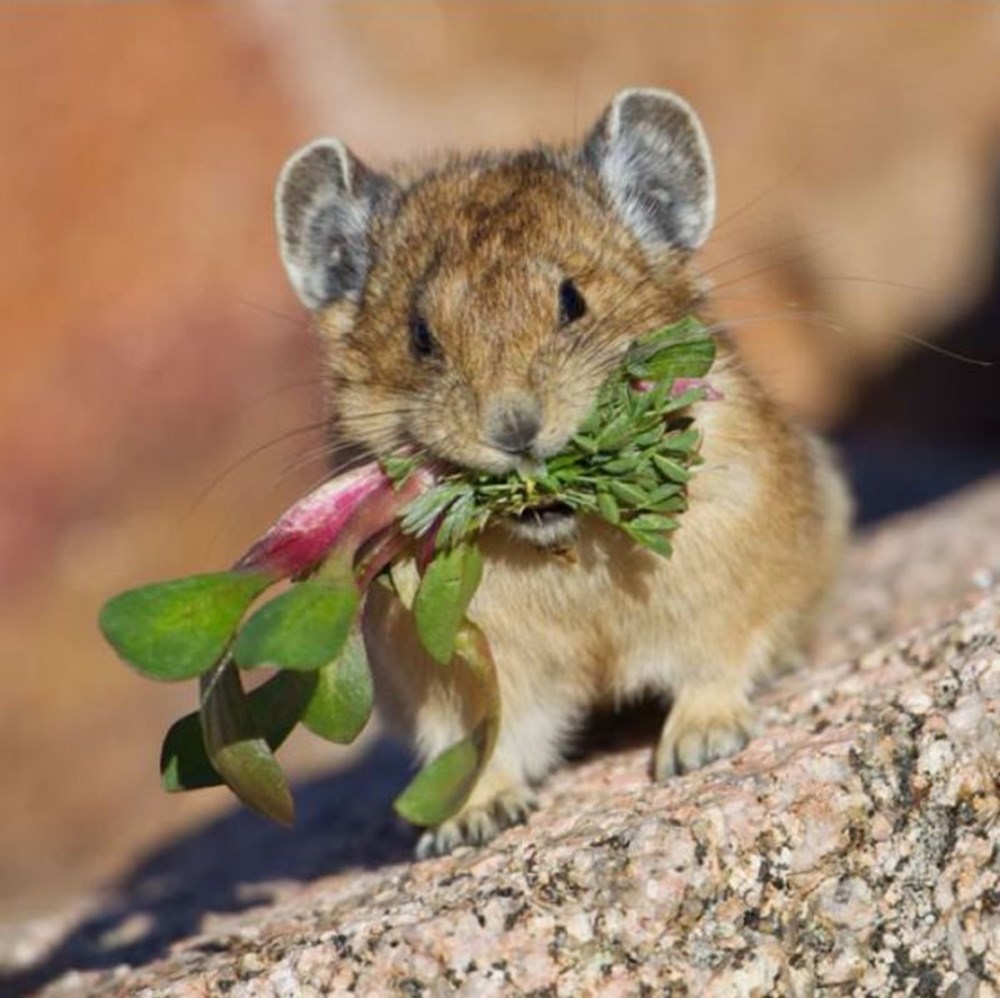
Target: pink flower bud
[[303, 534]]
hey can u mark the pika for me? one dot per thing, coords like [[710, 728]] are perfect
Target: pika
[[474, 307]]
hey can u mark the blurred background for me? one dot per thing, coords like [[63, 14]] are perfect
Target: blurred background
[[159, 380]]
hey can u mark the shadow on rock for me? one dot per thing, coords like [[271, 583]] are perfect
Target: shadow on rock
[[344, 821]]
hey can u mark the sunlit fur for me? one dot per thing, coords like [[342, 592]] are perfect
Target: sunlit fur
[[478, 247]]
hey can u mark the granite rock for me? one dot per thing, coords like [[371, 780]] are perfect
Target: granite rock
[[853, 848]]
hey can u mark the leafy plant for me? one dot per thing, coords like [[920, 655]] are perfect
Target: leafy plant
[[628, 464]]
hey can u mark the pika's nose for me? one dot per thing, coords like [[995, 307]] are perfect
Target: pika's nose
[[513, 422]]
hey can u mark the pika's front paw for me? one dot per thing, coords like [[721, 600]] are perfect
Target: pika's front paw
[[704, 724], [477, 823]]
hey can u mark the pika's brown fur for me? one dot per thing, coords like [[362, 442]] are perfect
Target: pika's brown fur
[[438, 297]]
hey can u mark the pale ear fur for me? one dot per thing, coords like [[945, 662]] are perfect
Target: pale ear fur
[[653, 158], [325, 200]]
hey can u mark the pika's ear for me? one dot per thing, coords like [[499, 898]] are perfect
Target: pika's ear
[[653, 158], [324, 202]]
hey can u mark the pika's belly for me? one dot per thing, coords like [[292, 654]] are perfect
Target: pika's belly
[[598, 617]]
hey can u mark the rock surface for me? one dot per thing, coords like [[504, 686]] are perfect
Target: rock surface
[[853, 847]]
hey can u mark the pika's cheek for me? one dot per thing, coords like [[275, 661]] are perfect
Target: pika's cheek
[[560, 424], [446, 427]]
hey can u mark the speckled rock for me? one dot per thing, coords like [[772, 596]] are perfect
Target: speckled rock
[[852, 849]]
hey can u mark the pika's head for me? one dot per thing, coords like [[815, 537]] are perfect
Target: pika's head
[[474, 308]]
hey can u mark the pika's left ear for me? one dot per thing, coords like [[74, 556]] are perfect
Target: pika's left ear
[[653, 158]]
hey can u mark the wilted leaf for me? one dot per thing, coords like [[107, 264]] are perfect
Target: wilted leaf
[[443, 596], [237, 749], [341, 702], [304, 628], [276, 705], [180, 629]]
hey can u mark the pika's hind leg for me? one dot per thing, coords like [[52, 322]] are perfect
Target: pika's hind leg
[[711, 717]]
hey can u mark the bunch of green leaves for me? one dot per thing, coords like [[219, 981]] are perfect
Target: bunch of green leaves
[[191, 628], [629, 463]]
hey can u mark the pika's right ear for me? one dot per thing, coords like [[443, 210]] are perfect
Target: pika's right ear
[[325, 201], [651, 154]]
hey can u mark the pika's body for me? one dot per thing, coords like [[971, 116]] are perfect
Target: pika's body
[[474, 309]]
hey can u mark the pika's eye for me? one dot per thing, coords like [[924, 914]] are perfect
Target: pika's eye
[[571, 303], [422, 342]]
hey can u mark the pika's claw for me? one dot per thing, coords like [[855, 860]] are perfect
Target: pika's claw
[[477, 824], [514, 806]]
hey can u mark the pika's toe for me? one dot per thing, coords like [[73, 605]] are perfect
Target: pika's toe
[[695, 736], [695, 749], [513, 807], [477, 825]]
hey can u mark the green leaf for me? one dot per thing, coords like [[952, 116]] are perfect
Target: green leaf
[[342, 700], [681, 442], [237, 749], [444, 594], [684, 360], [305, 627], [667, 498], [398, 466], [276, 706], [615, 433], [181, 628], [653, 541], [653, 523], [623, 465], [650, 437], [444, 785], [671, 470], [607, 507], [686, 329], [627, 493], [441, 788]]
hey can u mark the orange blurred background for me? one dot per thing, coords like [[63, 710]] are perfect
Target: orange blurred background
[[150, 342]]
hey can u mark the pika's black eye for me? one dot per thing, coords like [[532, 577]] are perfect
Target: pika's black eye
[[571, 303], [422, 342]]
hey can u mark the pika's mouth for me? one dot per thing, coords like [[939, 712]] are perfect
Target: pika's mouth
[[549, 525]]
